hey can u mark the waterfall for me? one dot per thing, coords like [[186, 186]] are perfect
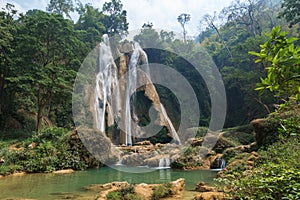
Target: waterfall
[[131, 87], [223, 163], [167, 162], [164, 163], [106, 81], [120, 161], [107, 85], [161, 163], [173, 131]]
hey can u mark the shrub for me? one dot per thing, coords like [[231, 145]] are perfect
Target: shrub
[[177, 165], [124, 193], [276, 174], [115, 195], [50, 133], [162, 191]]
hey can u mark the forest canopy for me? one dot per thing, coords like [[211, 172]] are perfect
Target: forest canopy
[[41, 52]]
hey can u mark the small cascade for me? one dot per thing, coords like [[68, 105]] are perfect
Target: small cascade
[[120, 161], [161, 163], [168, 162], [223, 163], [164, 163], [173, 131]]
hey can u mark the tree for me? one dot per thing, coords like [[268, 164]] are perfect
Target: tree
[[281, 59], [61, 7], [147, 25], [210, 21], [91, 23], [7, 31], [47, 55], [115, 20], [183, 19], [245, 14], [148, 37], [291, 10]]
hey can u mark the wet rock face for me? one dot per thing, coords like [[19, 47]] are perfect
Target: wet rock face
[[149, 154], [126, 48]]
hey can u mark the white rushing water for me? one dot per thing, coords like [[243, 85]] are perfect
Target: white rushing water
[[173, 131], [107, 85], [106, 81], [164, 163]]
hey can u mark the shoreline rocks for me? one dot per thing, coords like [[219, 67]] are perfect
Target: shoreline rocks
[[208, 192], [142, 190]]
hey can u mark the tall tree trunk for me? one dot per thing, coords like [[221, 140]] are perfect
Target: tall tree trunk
[[221, 38]]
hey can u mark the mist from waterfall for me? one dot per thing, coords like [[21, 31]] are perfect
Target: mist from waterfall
[[107, 90]]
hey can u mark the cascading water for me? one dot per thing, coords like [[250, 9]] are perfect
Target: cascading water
[[106, 82], [107, 85], [131, 86], [223, 163], [173, 131], [164, 163]]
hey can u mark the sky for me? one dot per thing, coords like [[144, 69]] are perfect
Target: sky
[[162, 13]]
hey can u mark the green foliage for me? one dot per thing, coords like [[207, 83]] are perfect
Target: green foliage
[[191, 150], [281, 58], [276, 173], [51, 149], [161, 137], [115, 195], [162, 191], [290, 127], [201, 131], [50, 134], [61, 7], [291, 10], [116, 18], [240, 135], [177, 165], [125, 193], [90, 24]]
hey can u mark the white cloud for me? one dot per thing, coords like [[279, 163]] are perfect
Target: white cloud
[[162, 13]]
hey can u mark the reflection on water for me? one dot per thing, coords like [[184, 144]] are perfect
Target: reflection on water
[[58, 186]]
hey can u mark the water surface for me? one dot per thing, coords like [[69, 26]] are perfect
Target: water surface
[[62, 186]]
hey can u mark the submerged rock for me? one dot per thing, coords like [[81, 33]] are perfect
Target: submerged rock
[[63, 171], [210, 196]]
